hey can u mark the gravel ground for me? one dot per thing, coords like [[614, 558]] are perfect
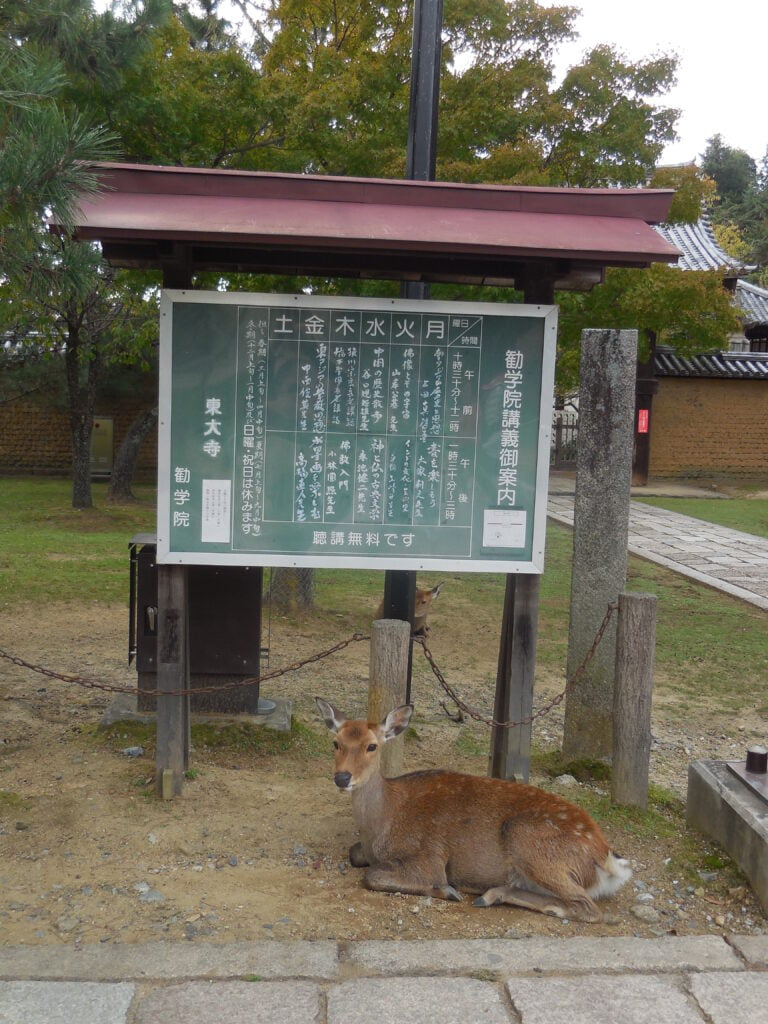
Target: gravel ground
[[256, 847]]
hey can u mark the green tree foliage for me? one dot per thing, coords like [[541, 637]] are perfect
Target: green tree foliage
[[323, 87], [733, 171], [689, 310], [189, 106], [339, 73], [694, 191], [42, 148], [741, 205], [58, 297]]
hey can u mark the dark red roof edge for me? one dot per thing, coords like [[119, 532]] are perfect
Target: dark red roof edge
[[649, 205]]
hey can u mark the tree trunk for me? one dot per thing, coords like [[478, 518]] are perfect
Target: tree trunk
[[124, 465], [292, 588], [81, 388]]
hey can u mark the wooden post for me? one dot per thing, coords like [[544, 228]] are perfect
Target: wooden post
[[390, 642], [635, 651], [172, 674], [510, 756], [399, 603]]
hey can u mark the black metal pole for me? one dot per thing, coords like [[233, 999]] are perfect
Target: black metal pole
[[425, 90], [399, 585]]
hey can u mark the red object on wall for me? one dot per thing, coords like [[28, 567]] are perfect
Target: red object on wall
[[642, 421]]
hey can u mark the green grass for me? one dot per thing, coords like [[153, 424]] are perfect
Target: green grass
[[709, 646], [12, 802], [243, 738], [52, 552], [750, 515]]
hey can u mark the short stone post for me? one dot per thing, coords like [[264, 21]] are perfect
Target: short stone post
[[632, 696], [600, 532], [388, 679]]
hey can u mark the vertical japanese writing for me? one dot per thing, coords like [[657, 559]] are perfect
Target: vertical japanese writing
[[254, 375], [319, 404], [509, 440], [377, 480], [400, 409], [432, 485], [386, 430], [315, 478], [181, 496], [431, 393], [364, 421], [362, 485], [436, 394], [377, 385], [455, 391], [451, 483], [212, 424], [301, 473], [313, 387], [406, 479], [342, 403]]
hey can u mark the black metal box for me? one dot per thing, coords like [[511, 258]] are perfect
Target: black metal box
[[224, 630]]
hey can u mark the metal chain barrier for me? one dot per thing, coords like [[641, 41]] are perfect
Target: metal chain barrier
[[237, 684], [464, 708]]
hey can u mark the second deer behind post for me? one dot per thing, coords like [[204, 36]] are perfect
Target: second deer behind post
[[421, 607]]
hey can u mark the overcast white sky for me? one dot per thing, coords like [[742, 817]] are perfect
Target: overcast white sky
[[722, 69]]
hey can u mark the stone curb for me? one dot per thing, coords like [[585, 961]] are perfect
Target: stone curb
[[508, 957], [332, 961], [167, 961]]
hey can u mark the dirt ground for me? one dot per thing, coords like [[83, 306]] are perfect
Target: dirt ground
[[256, 847]]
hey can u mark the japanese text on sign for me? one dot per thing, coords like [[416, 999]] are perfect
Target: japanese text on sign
[[383, 430]]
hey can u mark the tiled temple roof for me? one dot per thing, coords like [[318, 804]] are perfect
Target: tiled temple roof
[[700, 251], [753, 302], [741, 365]]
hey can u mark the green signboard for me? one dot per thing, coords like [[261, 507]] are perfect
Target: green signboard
[[343, 432]]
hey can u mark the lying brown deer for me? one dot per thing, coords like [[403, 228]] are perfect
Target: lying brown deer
[[432, 833], [421, 607]]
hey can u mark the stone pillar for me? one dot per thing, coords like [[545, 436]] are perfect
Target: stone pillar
[[600, 532]]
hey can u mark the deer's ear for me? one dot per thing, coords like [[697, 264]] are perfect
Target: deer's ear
[[436, 590], [330, 715], [396, 721]]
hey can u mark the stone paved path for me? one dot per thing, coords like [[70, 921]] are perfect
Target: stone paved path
[[731, 561], [699, 979]]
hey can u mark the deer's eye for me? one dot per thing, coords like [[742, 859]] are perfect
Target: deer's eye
[[371, 747]]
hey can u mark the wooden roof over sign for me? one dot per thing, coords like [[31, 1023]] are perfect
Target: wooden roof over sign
[[221, 220]]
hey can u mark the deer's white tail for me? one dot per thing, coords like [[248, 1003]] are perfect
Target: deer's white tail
[[610, 876]]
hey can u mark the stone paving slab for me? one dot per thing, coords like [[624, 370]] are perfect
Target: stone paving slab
[[726, 1000], [417, 1001], [701, 551], [64, 1002], [546, 956], [624, 980], [754, 948], [233, 1002], [171, 960], [603, 1000]]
